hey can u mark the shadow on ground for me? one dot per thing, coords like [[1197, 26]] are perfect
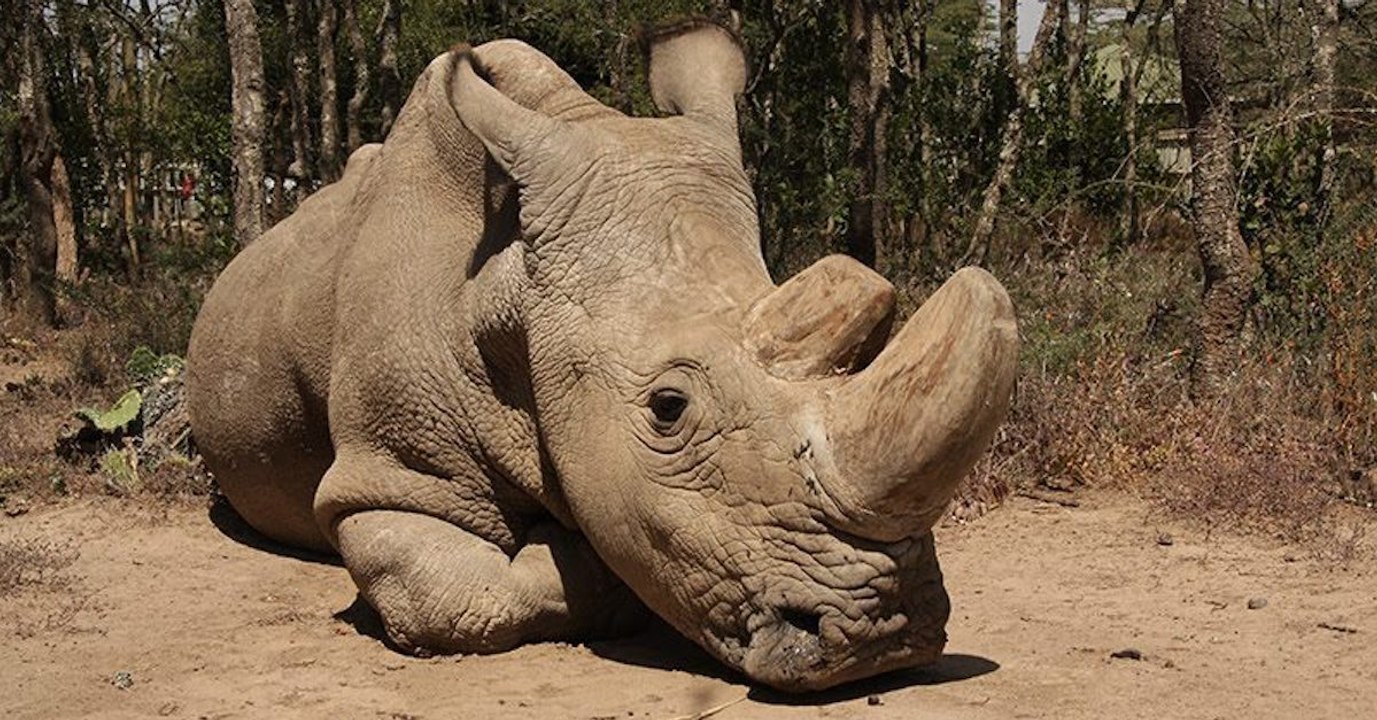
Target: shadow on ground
[[662, 648], [365, 620], [950, 668], [228, 522]]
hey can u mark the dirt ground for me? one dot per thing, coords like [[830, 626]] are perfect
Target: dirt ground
[[193, 623]]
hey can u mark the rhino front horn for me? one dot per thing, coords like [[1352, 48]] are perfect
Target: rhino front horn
[[909, 427]]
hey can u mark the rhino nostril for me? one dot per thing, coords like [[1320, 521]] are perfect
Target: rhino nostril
[[808, 622]]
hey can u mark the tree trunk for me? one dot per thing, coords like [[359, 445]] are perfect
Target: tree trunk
[[329, 96], [1008, 36], [38, 150], [86, 50], [246, 71], [1128, 94], [359, 49], [868, 81], [1011, 148], [1326, 53], [10, 187], [920, 33], [1006, 83], [1228, 268], [129, 200], [147, 181], [64, 222], [116, 90], [911, 46], [281, 156], [389, 81], [1075, 56], [301, 168]]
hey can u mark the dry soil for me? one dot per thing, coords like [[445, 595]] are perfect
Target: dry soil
[[165, 613]]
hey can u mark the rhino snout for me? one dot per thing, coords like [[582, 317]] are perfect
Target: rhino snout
[[813, 643]]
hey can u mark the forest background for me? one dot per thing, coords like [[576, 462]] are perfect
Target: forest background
[[1179, 196]]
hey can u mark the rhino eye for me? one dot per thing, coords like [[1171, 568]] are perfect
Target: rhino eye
[[667, 406]]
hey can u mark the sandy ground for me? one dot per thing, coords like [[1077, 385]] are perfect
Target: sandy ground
[[200, 625]]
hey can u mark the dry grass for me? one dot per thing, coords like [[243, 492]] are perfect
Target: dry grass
[[1103, 400]]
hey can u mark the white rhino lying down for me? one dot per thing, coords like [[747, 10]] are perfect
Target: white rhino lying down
[[523, 368]]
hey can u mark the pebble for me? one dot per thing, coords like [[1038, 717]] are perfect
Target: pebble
[[874, 700], [1127, 654], [1257, 603], [123, 680], [1165, 539]]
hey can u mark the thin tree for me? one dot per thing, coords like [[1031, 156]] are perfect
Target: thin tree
[[1228, 268], [1008, 36], [1011, 145], [1128, 96], [389, 80], [1326, 36], [38, 151], [1075, 38], [868, 66], [301, 167], [359, 49], [911, 63], [65, 260], [246, 73], [128, 95], [329, 95]]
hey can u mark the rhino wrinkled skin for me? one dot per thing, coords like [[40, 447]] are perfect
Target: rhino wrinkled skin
[[524, 369]]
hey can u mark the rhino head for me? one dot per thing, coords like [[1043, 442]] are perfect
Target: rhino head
[[761, 464]]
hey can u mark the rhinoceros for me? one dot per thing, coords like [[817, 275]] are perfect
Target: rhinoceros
[[524, 369]]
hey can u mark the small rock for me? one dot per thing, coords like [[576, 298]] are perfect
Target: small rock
[[1257, 603], [1165, 539], [18, 508], [874, 700], [123, 680], [1127, 654]]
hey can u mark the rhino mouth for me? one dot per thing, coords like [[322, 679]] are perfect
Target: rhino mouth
[[792, 654], [895, 622]]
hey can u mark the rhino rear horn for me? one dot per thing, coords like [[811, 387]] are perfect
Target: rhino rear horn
[[830, 319], [696, 69]]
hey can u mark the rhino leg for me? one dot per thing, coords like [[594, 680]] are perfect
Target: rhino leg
[[440, 589]]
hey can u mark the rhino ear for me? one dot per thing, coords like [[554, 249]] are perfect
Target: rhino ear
[[697, 69], [519, 104], [533, 80]]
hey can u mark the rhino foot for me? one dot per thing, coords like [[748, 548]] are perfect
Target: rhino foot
[[442, 590]]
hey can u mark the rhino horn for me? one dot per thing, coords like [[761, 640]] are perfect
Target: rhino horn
[[905, 430], [831, 318], [696, 69]]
